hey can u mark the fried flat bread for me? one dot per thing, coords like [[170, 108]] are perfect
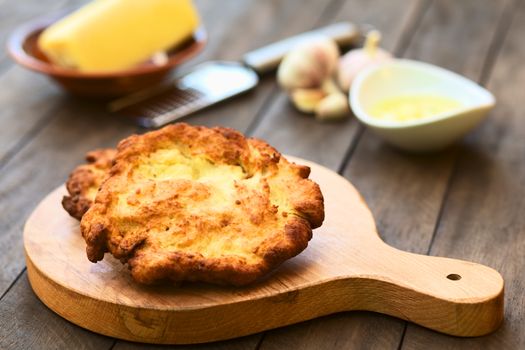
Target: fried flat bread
[[85, 180], [201, 204]]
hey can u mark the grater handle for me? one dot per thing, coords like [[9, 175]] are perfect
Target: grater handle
[[267, 58]]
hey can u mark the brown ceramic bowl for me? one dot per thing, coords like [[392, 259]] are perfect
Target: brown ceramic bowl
[[23, 48]]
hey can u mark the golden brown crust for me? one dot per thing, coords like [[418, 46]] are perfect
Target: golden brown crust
[[85, 180], [201, 204]]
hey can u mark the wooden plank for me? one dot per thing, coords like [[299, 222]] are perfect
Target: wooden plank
[[73, 127], [483, 218], [26, 104], [18, 108], [249, 342], [351, 330], [297, 134], [26, 329]]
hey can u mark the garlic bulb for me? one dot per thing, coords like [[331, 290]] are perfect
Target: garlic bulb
[[308, 64], [307, 74], [356, 60]]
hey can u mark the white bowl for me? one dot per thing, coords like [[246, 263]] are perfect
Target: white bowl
[[407, 77]]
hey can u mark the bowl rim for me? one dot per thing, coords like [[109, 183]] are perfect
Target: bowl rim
[[19, 36], [364, 117]]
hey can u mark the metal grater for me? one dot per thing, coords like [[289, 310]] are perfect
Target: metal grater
[[204, 86], [215, 81]]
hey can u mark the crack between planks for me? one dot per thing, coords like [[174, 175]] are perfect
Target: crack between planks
[[259, 116], [330, 11], [498, 39], [115, 340], [409, 29], [28, 136], [12, 283], [259, 343], [351, 148], [403, 336], [5, 64], [444, 199]]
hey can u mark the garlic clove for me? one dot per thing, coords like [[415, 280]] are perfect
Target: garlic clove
[[357, 60], [308, 64], [330, 87], [306, 100], [332, 107], [354, 62]]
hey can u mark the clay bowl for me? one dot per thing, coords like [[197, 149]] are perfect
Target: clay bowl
[[23, 48]]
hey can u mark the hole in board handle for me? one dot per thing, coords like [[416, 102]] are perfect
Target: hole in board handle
[[454, 277]]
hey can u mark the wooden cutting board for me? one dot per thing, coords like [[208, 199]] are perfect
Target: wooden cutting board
[[345, 267]]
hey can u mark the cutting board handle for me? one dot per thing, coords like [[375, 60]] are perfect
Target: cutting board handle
[[448, 295]]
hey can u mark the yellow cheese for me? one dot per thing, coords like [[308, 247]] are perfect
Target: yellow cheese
[[109, 35]]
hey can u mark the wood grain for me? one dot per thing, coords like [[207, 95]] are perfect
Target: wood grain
[[19, 112], [18, 108], [37, 158], [26, 329], [346, 262]]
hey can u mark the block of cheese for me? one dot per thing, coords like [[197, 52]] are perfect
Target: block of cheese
[[110, 35]]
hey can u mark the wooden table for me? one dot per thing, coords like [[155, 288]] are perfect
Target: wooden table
[[467, 202]]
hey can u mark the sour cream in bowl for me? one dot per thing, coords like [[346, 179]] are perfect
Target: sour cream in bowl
[[417, 106]]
